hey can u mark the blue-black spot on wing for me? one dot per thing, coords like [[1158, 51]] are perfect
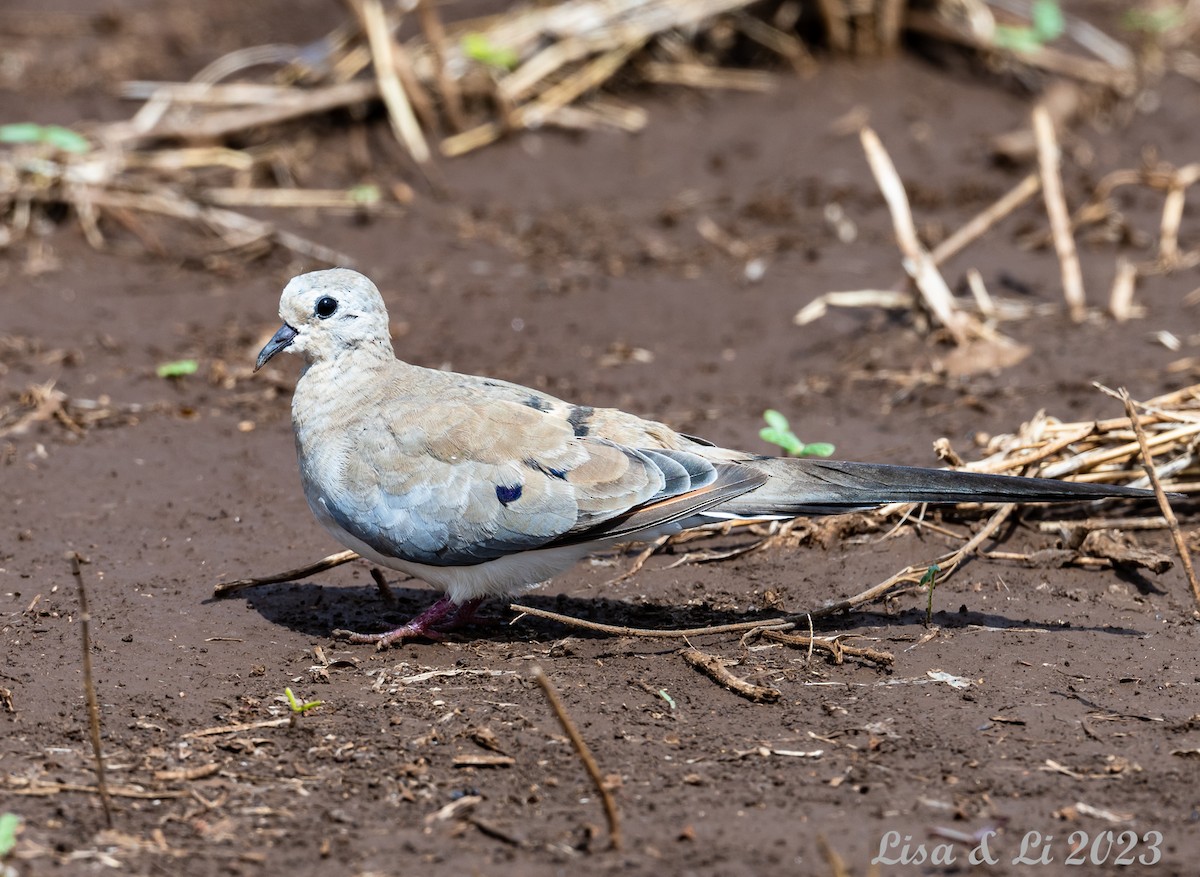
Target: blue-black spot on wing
[[578, 419], [507, 493], [560, 474]]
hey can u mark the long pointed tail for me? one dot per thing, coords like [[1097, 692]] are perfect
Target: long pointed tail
[[814, 487]]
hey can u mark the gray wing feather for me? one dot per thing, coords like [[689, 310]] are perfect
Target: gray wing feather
[[464, 484]]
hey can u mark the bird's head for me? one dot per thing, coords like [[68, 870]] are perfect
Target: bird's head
[[328, 313]]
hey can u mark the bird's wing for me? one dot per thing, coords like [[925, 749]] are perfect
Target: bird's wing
[[461, 476]]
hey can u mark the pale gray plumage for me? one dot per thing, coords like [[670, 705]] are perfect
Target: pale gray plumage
[[480, 486]]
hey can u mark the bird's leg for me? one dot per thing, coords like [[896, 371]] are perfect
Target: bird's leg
[[445, 614], [465, 614]]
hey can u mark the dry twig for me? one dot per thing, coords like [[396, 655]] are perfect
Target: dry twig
[[917, 261], [1181, 180], [1049, 161], [89, 688], [1185, 556], [585, 755], [782, 623], [833, 645], [979, 224], [385, 56], [227, 589], [714, 667]]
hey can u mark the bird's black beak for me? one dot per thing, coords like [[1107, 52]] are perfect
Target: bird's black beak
[[281, 339]]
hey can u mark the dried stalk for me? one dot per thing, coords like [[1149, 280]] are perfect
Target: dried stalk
[[917, 260], [715, 668], [1181, 179], [447, 85], [1120, 78], [384, 55], [1185, 556], [838, 650], [1120, 300], [703, 76], [981, 223], [1049, 160], [585, 755], [307, 102], [89, 689], [228, 589], [541, 110]]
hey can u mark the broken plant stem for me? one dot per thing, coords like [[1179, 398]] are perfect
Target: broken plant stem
[[978, 225], [1049, 163], [585, 755], [89, 688], [650, 632], [228, 589], [384, 57], [713, 667], [833, 645], [1168, 247], [918, 263], [1185, 556]]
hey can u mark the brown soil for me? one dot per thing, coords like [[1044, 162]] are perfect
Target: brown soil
[[551, 258]]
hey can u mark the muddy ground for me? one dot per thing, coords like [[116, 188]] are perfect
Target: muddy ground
[[573, 263]]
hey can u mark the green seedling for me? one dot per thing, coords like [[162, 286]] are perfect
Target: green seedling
[[9, 824], [779, 432], [479, 47], [366, 195], [177, 369], [662, 692], [298, 708], [929, 580], [56, 136], [1046, 24]]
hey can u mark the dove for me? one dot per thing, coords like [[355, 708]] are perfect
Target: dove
[[481, 487]]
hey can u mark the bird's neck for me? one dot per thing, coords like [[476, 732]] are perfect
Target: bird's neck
[[349, 377]]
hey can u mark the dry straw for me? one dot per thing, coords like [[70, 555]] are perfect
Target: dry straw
[[455, 87]]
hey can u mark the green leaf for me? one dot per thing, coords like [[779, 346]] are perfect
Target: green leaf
[[296, 705], [9, 823], [20, 132], [1048, 20], [366, 194], [63, 139], [66, 139], [783, 438], [776, 420], [778, 432], [817, 449], [479, 47], [177, 369]]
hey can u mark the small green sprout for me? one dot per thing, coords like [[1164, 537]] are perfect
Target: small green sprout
[[929, 580], [479, 47], [297, 707], [366, 195], [1047, 24], [662, 692], [9, 824], [778, 432], [177, 369], [60, 138]]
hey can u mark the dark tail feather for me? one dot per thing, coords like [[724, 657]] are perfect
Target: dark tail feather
[[815, 487]]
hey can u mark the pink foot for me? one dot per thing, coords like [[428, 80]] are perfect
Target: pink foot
[[442, 615]]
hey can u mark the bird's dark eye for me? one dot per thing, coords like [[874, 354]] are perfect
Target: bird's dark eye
[[326, 306]]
